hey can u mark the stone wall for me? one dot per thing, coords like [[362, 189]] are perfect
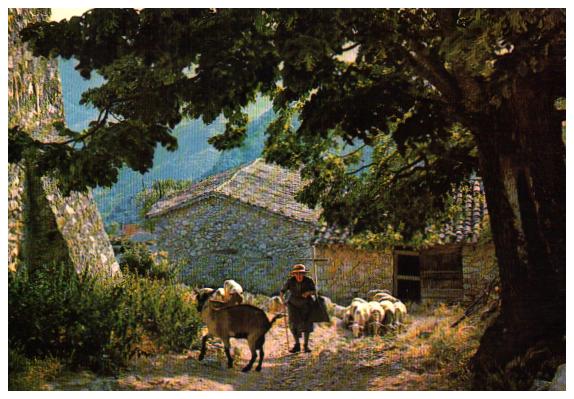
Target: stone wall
[[218, 238], [43, 226], [345, 272], [479, 268]]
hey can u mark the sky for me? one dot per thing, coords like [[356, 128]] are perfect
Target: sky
[[64, 13]]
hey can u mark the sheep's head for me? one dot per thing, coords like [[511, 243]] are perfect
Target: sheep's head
[[357, 330]]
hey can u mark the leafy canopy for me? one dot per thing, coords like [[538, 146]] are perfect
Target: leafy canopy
[[416, 86]]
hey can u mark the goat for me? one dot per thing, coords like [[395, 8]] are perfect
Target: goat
[[233, 292], [376, 317], [235, 321], [360, 319]]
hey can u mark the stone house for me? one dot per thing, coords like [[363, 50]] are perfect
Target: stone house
[[245, 224]]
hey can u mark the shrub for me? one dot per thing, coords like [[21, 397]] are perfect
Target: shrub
[[30, 374], [56, 312], [95, 323], [164, 312], [138, 259]]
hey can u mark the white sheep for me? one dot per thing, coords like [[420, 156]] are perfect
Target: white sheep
[[348, 317], [218, 295], [383, 296], [233, 292], [355, 302], [275, 305], [339, 311], [376, 317], [329, 304], [350, 314], [248, 298], [360, 319], [400, 313], [389, 317], [371, 294]]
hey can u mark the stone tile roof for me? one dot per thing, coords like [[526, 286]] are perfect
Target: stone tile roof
[[466, 228], [260, 184], [473, 219]]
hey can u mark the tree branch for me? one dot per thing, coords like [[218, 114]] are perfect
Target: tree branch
[[352, 46], [353, 152], [360, 169], [99, 124], [432, 71], [400, 172]]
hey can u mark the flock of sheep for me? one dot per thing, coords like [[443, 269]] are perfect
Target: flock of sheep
[[380, 313]]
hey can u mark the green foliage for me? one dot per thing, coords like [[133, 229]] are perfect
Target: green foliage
[[417, 85], [139, 260], [165, 312], [31, 374], [94, 323], [160, 189], [55, 312], [113, 229]]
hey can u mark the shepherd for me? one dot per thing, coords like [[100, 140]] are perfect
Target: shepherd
[[299, 304]]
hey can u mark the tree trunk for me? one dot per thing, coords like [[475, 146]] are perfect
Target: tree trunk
[[522, 161]]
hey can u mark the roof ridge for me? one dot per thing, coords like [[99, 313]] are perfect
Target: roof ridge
[[230, 179]]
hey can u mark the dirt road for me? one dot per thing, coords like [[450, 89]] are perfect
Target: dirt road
[[337, 362]]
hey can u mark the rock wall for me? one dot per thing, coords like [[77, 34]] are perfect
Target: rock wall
[[479, 268], [219, 238], [44, 226], [345, 272]]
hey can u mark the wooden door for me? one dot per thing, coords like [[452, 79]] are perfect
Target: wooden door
[[441, 274]]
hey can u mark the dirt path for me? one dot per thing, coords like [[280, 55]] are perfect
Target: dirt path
[[337, 362]]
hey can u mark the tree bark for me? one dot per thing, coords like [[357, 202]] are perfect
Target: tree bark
[[522, 162]]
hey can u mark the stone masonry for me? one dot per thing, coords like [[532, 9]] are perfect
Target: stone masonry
[[44, 226], [218, 238]]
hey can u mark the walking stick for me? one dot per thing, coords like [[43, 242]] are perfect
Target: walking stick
[[286, 324]]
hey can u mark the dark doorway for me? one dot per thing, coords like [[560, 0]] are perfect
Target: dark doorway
[[407, 276], [409, 290], [409, 265]]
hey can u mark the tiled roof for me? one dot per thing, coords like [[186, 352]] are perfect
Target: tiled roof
[[260, 184], [473, 219], [465, 228], [325, 234]]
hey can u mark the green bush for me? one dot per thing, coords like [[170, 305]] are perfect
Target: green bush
[[95, 323], [56, 312], [138, 259], [30, 374], [165, 312]]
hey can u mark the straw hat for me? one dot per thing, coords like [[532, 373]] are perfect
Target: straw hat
[[299, 269]]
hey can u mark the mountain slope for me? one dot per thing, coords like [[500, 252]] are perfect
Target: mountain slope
[[194, 159]]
